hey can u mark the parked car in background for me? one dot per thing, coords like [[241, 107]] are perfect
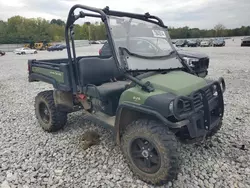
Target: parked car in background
[[57, 47], [199, 62], [245, 41], [192, 43], [198, 42], [102, 41], [219, 42], [22, 51], [2, 53], [94, 42], [181, 43], [174, 41], [63, 46], [206, 43]]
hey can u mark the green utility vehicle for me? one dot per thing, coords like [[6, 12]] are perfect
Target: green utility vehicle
[[150, 98]]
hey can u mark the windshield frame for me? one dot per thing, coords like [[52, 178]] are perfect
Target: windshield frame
[[103, 14]]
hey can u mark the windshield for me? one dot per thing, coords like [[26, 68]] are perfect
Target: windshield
[[147, 45]]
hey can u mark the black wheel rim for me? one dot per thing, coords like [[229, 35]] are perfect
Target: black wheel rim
[[145, 155], [44, 112]]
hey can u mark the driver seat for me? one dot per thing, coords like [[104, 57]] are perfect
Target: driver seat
[[99, 77]]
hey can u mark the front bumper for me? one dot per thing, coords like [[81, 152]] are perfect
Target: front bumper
[[245, 43], [203, 109]]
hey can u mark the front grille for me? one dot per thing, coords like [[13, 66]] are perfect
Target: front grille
[[246, 42], [187, 106], [209, 93], [197, 100]]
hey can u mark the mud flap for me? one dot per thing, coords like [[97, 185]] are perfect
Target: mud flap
[[63, 100]]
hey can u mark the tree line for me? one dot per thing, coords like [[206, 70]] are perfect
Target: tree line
[[18, 29]]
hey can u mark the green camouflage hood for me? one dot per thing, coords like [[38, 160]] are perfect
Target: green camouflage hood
[[176, 82]]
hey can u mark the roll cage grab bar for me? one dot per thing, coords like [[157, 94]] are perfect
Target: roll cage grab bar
[[102, 14]]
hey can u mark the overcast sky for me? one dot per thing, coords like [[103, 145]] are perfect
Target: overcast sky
[[177, 13]]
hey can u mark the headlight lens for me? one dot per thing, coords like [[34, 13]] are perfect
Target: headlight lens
[[171, 106], [189, 61], [215, 90]]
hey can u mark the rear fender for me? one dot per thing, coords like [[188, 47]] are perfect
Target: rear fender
[[63, 100]]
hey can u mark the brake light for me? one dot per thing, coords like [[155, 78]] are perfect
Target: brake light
[[81, 96], [100, 51]]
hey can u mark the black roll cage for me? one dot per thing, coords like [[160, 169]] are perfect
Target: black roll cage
[[102, 14]]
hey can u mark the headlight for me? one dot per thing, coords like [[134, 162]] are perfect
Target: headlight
[[190, 61], [181, 106], [171, 106], [215, 90]]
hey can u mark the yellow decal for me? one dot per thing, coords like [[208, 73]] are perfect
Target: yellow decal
[[56, 73], [136, 99]]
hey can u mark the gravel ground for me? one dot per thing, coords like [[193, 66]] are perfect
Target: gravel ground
[[29, 157]]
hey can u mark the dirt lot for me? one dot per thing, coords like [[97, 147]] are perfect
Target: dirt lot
[[29, 157]]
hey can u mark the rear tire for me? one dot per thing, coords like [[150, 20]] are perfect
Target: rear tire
[[156, 148], [48, 116]]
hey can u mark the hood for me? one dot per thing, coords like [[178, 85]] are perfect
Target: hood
[[177, 82], [185, 53]]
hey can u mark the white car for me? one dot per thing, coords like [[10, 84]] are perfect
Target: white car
[[21, 51], [206, 43]]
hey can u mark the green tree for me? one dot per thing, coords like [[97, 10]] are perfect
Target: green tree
[[18, 29], [58, 22], [219, 30]]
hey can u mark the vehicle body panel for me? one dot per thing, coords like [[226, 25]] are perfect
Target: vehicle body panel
[[24, 51], [219, 42], [181, 43], [2, 53], [192, 43], [57, 75], [136, 95], [245, 41], [175, 82], [205, 43], [56, 47], [55, 72]]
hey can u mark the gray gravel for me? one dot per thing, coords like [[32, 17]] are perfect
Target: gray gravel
[[30, 158]]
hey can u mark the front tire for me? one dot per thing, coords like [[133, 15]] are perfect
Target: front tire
[[150, 150], [48, 116], [215, 129]]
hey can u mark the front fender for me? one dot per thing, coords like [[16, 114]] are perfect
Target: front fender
[[128, 112]]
